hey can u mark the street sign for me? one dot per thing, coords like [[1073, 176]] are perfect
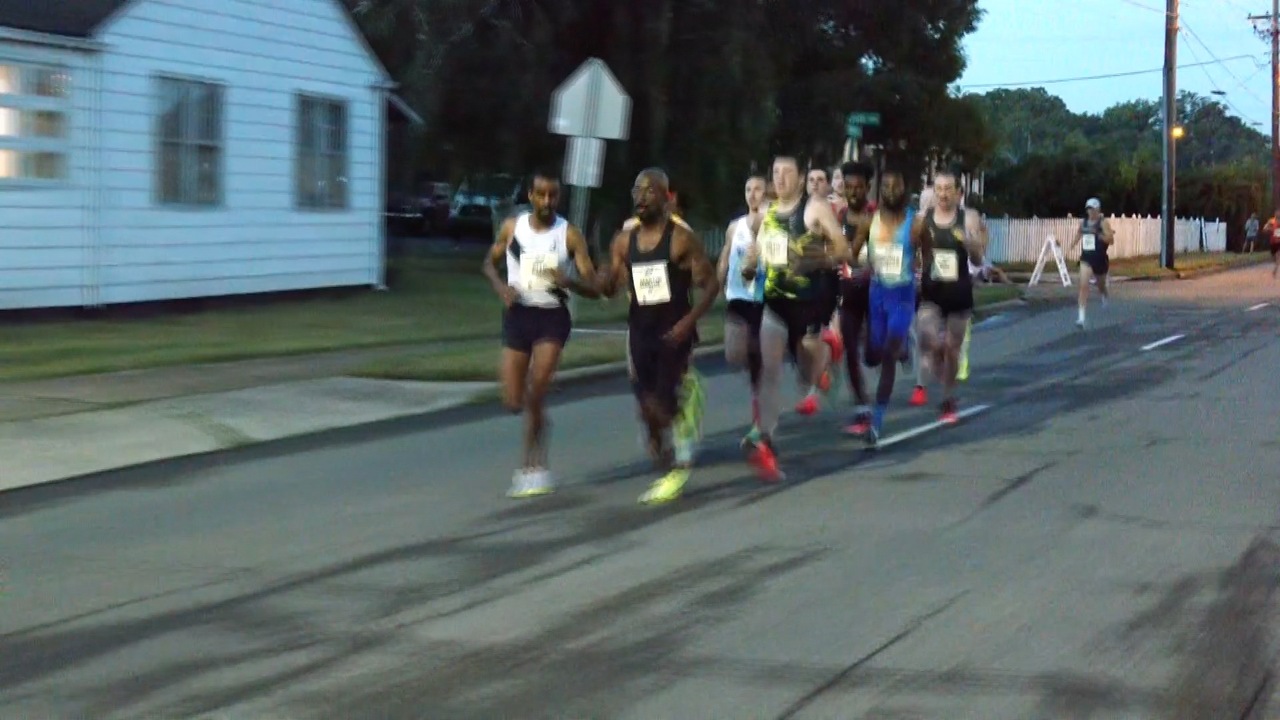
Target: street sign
[[854, 132], [584, 162], [591, 103], [866, 119]]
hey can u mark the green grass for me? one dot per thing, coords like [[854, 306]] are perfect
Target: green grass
[[1147, 267], [432, 299], [478, 361]]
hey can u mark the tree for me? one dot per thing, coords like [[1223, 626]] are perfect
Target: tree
[[717, 85]]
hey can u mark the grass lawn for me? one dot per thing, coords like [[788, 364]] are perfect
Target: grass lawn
[[1149, 266], [437, 298], [478, 361]]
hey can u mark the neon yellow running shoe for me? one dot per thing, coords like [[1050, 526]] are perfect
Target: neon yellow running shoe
[[666, 489]]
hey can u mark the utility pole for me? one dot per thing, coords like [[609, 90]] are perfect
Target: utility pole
[[1272, 33], [1168, 220]]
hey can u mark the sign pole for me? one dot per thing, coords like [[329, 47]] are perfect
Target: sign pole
[[589, 107]]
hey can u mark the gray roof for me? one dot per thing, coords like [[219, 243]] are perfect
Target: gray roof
[[73, 18]]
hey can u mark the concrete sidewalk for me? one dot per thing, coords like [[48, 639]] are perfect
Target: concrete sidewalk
[[62, 428]]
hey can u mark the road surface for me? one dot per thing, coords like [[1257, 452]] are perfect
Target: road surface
[[1100, 543]]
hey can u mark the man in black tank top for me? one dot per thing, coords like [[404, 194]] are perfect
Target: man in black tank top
[[661, 261], [1094, 236], [946, 290], [855, 289]]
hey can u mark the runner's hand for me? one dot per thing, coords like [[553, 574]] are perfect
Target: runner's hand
[[556, 277], [679, 334], [509, 295]]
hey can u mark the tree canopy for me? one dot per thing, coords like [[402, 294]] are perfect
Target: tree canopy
[[1048, 159], [717, 85]]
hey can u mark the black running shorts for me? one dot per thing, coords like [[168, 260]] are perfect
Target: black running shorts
[[524, 326]]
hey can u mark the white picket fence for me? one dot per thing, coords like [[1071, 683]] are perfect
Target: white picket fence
[[1014, 240], [1019, 241]]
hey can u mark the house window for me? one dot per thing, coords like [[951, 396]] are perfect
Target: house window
[[322, 153], [35, 103], [189, 167]]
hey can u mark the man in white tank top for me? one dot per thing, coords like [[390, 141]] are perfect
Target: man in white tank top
[[540, 249], [746, 298]]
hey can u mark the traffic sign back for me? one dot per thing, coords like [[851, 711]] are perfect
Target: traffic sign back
[[591, 103]]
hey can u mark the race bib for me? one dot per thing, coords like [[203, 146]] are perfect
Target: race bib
[[1090, 242], [773, 248], [946, 265], [533, 270], [653, 286], [889, 265], [749, 286]]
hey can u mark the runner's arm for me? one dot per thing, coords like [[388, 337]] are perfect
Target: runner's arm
[[612, 277], [923, 240], [585, 284], [722, 265], [825, 218], [498, 254], [860, 237], [689, 255], [1108, 235], [975, 243]]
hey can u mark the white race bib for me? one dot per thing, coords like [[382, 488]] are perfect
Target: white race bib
[[889, 264], [533, 270], [946, 265], [653, 287], [1090, 242], [773, 248]]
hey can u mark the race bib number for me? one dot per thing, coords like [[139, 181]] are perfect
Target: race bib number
[[1090, 242], [773, 248], [946, 265], [653, 287], [889, 265], [534, 268]]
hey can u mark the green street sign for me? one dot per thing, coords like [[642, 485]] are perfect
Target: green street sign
[[866, 119], [854, 132]]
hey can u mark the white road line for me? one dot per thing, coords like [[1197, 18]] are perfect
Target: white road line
[[1259, 306], [600, 332], [1160, 343], [915, 432]]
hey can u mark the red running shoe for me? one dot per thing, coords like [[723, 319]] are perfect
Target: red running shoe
[[919, 396]]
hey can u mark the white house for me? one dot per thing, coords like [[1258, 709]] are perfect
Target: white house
[[165, 149]]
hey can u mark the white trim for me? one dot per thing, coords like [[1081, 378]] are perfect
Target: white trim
[[8, 34], [403, 107]]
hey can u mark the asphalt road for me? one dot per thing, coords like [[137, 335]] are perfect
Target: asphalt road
[[1100, 543]]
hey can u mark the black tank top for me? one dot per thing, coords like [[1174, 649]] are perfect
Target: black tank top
[[946, 282], [1099, 250], [659, 288]]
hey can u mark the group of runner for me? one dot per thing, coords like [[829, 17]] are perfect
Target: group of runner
[[807, 276]]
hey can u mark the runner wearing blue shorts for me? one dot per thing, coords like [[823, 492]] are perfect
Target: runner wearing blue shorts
[[891, 253]]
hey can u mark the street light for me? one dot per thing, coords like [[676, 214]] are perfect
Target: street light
[[1177, 132]]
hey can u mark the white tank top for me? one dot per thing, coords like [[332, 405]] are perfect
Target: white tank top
[[531, 252], [738, 287]]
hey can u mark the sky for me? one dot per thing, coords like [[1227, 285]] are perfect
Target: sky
[[1019, 42]]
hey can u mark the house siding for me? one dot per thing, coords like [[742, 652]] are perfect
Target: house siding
[[263, 53], [48, 234]]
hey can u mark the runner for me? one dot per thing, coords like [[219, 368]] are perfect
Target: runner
[[892, 296], [828, 298], [855, 286], [1272, 231], [1095, 236], [746, 298], [946, 288], [799, 239], [660, 261], [538, 248]]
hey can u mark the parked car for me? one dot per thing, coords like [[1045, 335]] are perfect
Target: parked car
[[482, 201]]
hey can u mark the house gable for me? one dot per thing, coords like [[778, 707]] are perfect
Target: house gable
[[86, 18]]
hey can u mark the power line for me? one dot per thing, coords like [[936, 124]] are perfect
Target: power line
[[1195, 36], [1225, 98], [1085, 78]]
